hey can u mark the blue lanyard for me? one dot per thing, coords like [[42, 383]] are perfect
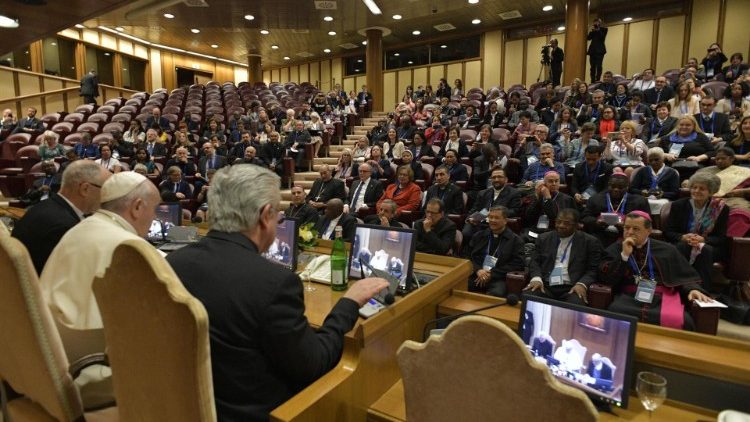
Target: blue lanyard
[[653, 122], [442, 195], [596, 171], [539, 168], [489, 243], [649, 260], [656, 179], [621, 208], [492, 196], [565, 251], [713, 121], [691, 219]]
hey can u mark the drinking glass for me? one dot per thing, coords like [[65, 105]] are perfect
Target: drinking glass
[[652, 390], [308, 282]]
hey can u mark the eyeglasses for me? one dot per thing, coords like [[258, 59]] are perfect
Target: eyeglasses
[[94, 184]]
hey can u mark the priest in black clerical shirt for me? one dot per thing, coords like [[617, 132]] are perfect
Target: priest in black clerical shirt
[[298, 209], [615, 200], [590, 176], [547, 203], [451, 195], [324, 189], [435, 233]]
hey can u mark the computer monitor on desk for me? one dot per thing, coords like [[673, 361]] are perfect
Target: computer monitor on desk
[[389, 249], [589, 349], [283, 250], [168, 215]]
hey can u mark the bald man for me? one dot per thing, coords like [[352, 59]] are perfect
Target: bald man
[[325, 188]]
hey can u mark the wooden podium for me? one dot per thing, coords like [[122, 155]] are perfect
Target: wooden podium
[[368, 367]]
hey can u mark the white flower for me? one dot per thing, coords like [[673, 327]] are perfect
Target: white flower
[[305, 235]]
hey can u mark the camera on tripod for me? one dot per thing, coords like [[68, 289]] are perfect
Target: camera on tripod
[[546, 60]]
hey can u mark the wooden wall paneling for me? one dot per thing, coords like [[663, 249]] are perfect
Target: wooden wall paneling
[[640, 44], [736, 37], [284, 75], [315, 74], [28, 84], [90, 36], [276, 75], [404, 79], [349, 84], [155, 65], [624, 64], [267, 76], [614, 43], [472, 74], [453, 71], [325, 76], [108, 41], [532, 61], [492, 58], [418, 77], [669, 44], [390, 95], [304, 72], [704, 26], [54, 103], [359, 81], [294, 74], [71, 99], [513, 63], [125, 46], [436, 72], [337, 72], [7, 87]]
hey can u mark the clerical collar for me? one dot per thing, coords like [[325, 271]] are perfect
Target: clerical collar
[[565, 238]]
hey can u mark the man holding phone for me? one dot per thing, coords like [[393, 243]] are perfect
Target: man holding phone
[[597, 49]]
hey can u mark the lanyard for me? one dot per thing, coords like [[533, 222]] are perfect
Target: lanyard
[[619, 101], [713, 121], [493, 198], [620, 206], [596, 171], [649, 262], [489, 243], [694, 225], [322, 188], [656, 179], [441, 193], [539, 168], [565, 250], [661, 125]]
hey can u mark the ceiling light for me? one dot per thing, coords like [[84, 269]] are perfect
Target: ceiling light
[[356, 70], [274, 47], [359, 61], [410, 62], [476, 21], [79, 26], [628, 19], [561, 28], [119, 29], [397, 17], [264, 31], [214, 45], [547, 8], [328, 18], [54, 43], [396, 54], [327, 50], [331, 33], [106, 54], [416, 32], [374, 9], [169, 16], [364, 42], [249, 17], [124, 69], [473, 1], [443, 46], [287, 58]]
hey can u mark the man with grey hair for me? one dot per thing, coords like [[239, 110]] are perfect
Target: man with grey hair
[[386, 215], [325, 188], [44, 224], [128, 208], [539, 167], [656, 179], [263, 350], [250, 157], [365, 192]]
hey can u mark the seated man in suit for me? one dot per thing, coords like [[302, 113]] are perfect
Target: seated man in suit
[[181, 161], [156, 119], [211, 160], [615, 200], [652, 279], [715, 125], [29, 124], [451, 195], [656, 179], [661, 91], [495, 252], [299, 209], [538, 168], [250, 157], [152, 144], [500, 194], [43, 187], [43, 225], [175, 184], [435, 233], [386, 215], [590, 176], [325, 188], [598, 369], [365, 192], [565, 261], [547, 203], [295, 142], [542, 345], [334, 216]]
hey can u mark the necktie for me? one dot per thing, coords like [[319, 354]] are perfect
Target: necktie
[[658, 95], [150, 149], [175, 187], [356, 195]]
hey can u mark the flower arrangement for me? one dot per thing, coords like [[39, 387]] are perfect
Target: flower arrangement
[[307, 235]]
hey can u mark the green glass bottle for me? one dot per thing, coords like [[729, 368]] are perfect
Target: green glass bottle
[[338, 262]]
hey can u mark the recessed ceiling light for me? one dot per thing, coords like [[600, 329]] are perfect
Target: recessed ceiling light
[[119, 28], [79, 26], [274, 47], [169, 16], [214, 45], [547, 8], [396, 54], [331, 33], [356, 70], [359, 61], [473, 1], [410, 62], [287, 58], [249, 17], [628, 19], [476, 21], [195, 30], [106, 54], [397, 17], [443, 46], [374, 9], [561, 28], [264, 31], [327, 50], [328, 18], [364, 42], [124, 69], [54, 43], [416, 32]]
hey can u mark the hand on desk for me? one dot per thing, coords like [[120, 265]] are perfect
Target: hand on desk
[[363, 290]]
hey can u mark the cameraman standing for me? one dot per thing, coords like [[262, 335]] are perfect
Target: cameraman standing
[[597, 50], [556, 63]]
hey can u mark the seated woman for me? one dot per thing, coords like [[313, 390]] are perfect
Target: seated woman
[[419, 148], [580, 97], [420, 116], [455, 143], [741, 143], [346, 167], [573, 151], [687, 142], [142, 157], [182, 141], [698, 225], [735, 103], [606, 122], [735, 189], [393, 146], [407, 159], [484, 137], [404, 192], [656, 179], [436, 132], [316, 127], [213, 130], [381, 167], [50, 148], [625, 150], [565, 122], [106, 161], [684, 102], [135, 133], [621, 97]]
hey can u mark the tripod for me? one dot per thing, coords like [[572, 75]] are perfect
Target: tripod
[[544, 69]]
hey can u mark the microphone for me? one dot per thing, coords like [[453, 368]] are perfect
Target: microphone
[[511, 300]]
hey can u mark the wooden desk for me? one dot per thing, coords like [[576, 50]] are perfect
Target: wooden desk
[[368, 367], [391, 408]]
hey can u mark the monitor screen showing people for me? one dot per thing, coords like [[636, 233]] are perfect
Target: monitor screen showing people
[[588, 349], [384, 248], [167, 216], [283, 248]]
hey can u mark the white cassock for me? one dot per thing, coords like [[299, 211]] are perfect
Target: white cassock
[[84, 252]]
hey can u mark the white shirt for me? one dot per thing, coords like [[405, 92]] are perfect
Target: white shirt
[[564, 242], [331, 227], [108, 164], [359, 200]]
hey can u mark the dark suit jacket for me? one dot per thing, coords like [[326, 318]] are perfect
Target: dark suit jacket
[[583, 178], [649, 95], [163, 123], [182, 187], [604, 374], [221, 161], [597, 204], [303, 213], [550, 208], [34, 123], [375, 220], [680, 213], [668, 181], [452, 197], [437, 241], [301, 138], [188, 168], [333, 188], [701, 145], [494, 122], [720, 126], [42, 227], [424, 151], [597, 47], [458, 173], [263, 350], [89, 86], [160, 150], [347, 223], [542, 348], [653, 127], [509, 253], [372, 193], [509, 197], [583, 258]]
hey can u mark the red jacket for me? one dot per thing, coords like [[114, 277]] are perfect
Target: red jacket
[[407, 199]]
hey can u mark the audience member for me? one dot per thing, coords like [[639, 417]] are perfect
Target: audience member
[[546, 204], [451, 195], [43, 186], [142, 157], [538, 168], [404, 191], [333, 216], [50, 148], [106, 161], [156, 120], [435, 232], [29, 124], [325, 188], [714, 125], [596, 50], [660, 125], [365, 192], [386, 215], [86, 149], [175, 184], [590, 176], [605, 210], [656, 179]]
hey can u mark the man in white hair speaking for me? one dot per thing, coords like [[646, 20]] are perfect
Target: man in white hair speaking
[[263, 350], [128, 202]]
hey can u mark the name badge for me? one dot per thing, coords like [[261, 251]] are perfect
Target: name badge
[[646, 290], [556, 277], [543, 223], [675, 149], [589, 192], [489, 262], [531, 159], [709, 135]]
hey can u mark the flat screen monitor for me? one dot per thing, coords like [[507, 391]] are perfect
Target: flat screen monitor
[[283, 250], [589, 349], [168, 215], [389, 249]]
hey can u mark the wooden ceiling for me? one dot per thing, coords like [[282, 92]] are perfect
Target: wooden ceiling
[[41, 18]]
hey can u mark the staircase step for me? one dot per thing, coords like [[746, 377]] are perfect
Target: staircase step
[[326, 160]]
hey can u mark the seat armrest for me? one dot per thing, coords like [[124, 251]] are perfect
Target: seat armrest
[[599, 295], [706, 320], [86, 361], [515, 281]]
